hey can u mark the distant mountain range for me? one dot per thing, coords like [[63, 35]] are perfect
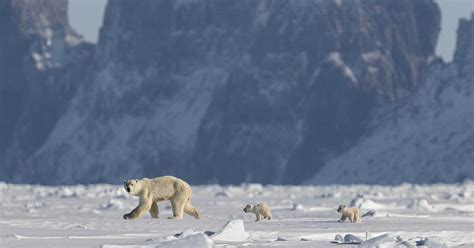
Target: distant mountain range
[[225, 91]]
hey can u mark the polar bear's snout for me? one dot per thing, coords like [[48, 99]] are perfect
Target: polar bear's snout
[[128, 185], [248, 208], [340, 208]]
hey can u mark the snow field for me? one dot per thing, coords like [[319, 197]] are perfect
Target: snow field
[[304, 216]]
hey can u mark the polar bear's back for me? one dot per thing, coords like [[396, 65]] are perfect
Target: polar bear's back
[[165, 179], [264, 209], [166, 186]]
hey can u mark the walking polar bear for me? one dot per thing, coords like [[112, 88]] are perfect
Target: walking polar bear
[[152, 191], [261, 210], [352, 213]]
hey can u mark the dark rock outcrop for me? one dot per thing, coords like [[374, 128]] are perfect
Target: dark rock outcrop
[[427, 138], [228, 91], [42, 62], [312, 77]]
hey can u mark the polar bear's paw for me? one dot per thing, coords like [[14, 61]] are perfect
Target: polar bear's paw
[[128, 217], [175, 217]]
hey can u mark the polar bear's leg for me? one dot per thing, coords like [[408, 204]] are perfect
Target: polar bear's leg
[[189, 209], [357, 219], [178, 201], [351, 217], [142, 207], [343, 218], [154, 210], [357, 216], [177, 205]]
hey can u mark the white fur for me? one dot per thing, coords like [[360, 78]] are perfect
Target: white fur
[[152, 191], [352, 213], [261, 211]]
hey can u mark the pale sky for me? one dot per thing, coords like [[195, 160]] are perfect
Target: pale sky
[[451, 11], [86, 17]]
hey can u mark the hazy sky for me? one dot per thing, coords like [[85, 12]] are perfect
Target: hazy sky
[[451, 11], [86, 17]]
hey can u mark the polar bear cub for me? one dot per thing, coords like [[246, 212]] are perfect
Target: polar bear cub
[[352, 213], [152, 191], [261, 210]]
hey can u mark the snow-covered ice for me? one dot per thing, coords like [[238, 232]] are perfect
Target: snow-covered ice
[[91, 216], [233, 230]]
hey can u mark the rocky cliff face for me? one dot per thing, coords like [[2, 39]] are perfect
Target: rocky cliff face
[[227, 91], [41, 64], [428, 137]]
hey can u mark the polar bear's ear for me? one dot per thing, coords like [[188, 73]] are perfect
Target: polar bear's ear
[[136, 180]]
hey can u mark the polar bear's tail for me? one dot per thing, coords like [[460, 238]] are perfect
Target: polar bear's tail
[[189, 209]]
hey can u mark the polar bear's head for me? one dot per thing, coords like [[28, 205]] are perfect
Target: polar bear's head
[[132, 186], [248, 208], [341, 208]]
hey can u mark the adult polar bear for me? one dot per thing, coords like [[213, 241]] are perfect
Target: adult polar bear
[[152, 191]]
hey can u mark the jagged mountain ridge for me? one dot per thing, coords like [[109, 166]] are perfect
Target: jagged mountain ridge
[[291, 128], [226, 91], [426, 138]]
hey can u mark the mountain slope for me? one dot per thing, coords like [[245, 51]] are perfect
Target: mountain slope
[[428, 137], [226, 91], [42, 64]]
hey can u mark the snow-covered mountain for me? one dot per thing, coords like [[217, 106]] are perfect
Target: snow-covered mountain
[[428, 137], [216, 91]]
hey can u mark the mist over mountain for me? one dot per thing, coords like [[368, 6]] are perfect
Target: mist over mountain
[[224, 91]]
